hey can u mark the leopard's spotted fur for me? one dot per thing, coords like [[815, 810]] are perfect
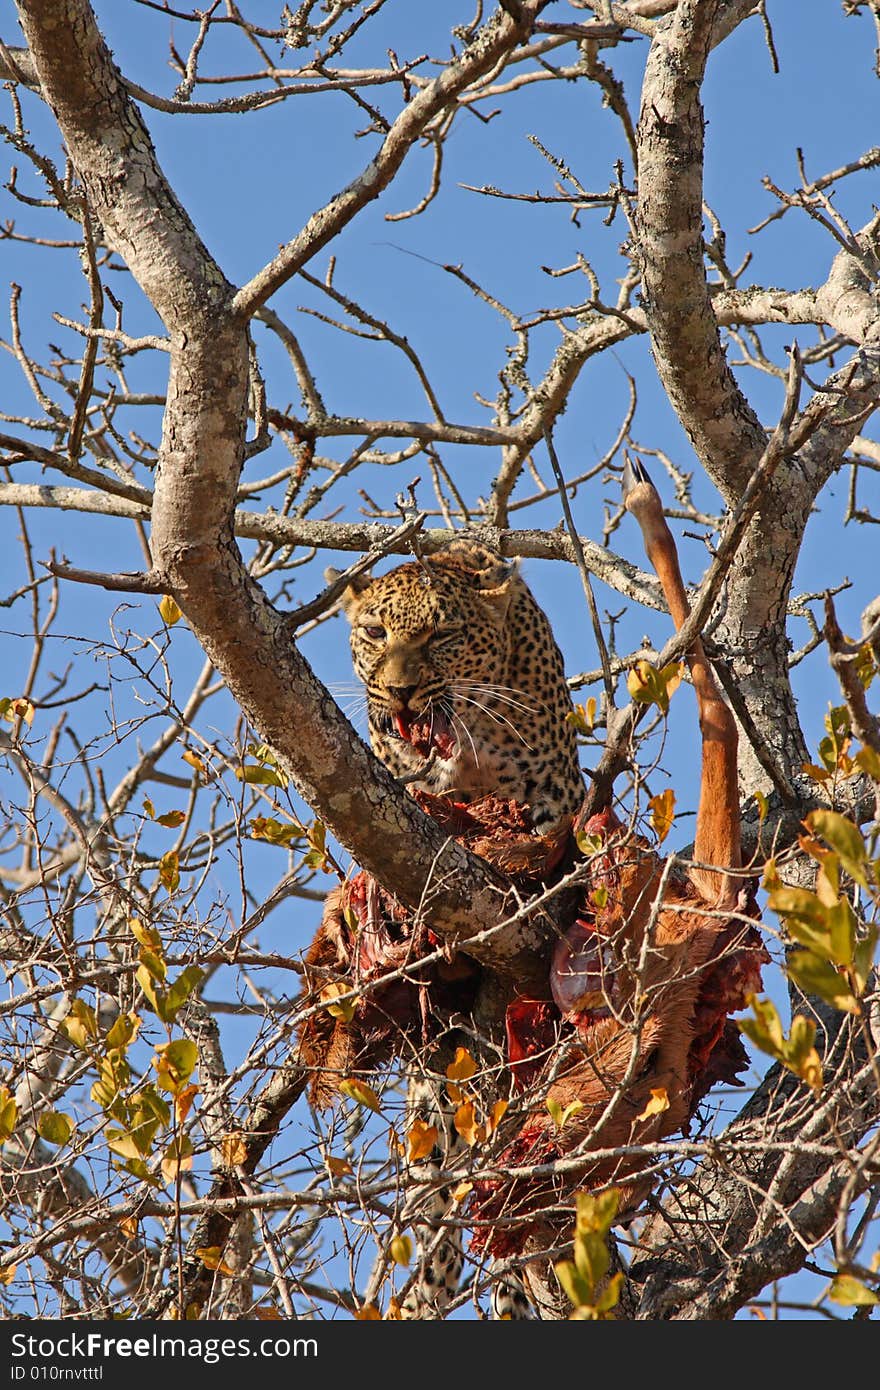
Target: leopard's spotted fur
[[458, 646], [466, 696]]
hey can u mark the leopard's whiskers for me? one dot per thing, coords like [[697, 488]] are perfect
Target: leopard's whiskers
[[456, 720], [496, 718], [502, 693]]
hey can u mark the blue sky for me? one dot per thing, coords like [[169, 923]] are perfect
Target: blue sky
[[249, 184]]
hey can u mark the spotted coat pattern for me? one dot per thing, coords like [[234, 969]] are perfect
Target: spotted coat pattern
[[457, 647], [466, 696]]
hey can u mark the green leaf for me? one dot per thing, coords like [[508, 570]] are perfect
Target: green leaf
[[610, 1295], [863, 959], [576, 1287], [148, 987], [275, 832], [589, 844], [765, 1029], [868, 760], [174, 1064], [843, 926], [54, 1127], [123, 1031], [138, 1169], [124, 1144], [261, 776], [114, 1075], [591, 1258], [178, 993], [845, 839], [818, 976], [153, 964], [597, 1213], [851, 1292]]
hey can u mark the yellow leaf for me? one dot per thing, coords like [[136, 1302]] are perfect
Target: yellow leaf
[[345, 1008], [595, 1214], [183, 1102], [124, 1144], [400, 1250], [656, 1105], [8, 1113], [149, 808], [649, 686], [211, 1257], [171, 819], [194, 761], [809, 1069], [559, 1116], [8, 1274], [174, 1064], [467, 1126], [54, 1127], [147, 936], [338, 1167], [178, 1159], [420, 1140], [368, 1313], [18, 708], [393, 1313], [129, 1227], [818, 774], [868, 759], [361, 1094], [233, 1149], [169, 871], [463, 1067], [663, 812], [169, 611], [763, 806], [583, 717], [496, 1116], [459, 1193], [275, 832], [81, 1024]]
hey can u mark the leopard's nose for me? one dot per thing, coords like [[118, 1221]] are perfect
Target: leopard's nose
[[402, 694]]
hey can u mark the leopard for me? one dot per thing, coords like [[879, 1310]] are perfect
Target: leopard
[[465, 683], [466, 697]]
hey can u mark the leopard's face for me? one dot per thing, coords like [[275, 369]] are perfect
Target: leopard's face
[[464, 682]]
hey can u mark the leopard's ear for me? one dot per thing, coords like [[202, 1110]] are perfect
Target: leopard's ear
[[353, 592], [489, 569]]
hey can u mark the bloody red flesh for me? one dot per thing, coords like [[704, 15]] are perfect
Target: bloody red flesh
[[426, 732]]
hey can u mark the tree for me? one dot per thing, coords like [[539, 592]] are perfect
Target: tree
[[158, 1152]]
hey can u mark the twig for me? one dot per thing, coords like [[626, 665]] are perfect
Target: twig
[[607, 677]]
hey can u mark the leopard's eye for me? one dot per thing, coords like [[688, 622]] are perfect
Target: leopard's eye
[[374, 632]]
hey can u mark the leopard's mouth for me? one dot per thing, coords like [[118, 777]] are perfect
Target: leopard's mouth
[[426, 733]]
